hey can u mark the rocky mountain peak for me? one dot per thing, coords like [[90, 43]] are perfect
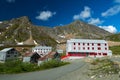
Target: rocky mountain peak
[[18, 29], [21, 20]]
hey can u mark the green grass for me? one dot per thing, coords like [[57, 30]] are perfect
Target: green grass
[[52, 64], [20, 67], [115, 50], [114, 37]]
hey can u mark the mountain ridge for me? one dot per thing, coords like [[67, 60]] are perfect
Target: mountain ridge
[[18, 30]]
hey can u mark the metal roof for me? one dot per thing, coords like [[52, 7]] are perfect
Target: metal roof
[[6, 49], [87, 40]]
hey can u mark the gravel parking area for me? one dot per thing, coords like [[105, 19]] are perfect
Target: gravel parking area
[[83, 73]]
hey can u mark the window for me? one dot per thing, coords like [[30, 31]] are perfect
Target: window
[[98, 44], [99, 53], [91, 53], [74, 48], [92, 48], [8, 55], [15, 55], [95, 53], [78, 43], [83, 43], [88, 48], [74, 43], [92, 44], [83, 48], [99, 48], [88, 44], [104, 54], [105, 48], [105, 44], [15, 52], [8, 52]]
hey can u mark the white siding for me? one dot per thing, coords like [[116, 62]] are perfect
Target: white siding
[[26, 59], [42, 49], [2, 56], [87, 46]]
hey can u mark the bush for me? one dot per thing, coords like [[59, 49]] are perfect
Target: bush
[[16, 67], [52, 64], [19, 67]]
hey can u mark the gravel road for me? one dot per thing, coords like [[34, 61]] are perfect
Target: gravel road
[[77, 70], [51, 74], [82, 73]]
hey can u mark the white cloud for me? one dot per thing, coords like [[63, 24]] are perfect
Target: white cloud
[[61, 25], [45, 15], [76, 17], [0, 22], [86, 13], [10, 1], [110, 28], [95, 21], [111, 11]]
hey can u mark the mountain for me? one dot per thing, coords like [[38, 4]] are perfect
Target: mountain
[[22, 30], [114, 37], [78, 29]]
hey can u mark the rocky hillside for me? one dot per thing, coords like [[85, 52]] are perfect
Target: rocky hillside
[[79, 29], [22, 30], [114, 37]]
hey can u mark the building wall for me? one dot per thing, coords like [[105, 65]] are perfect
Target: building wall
[[26, 59], [42, 49], [11, 54], [86, 47], [7, 55], [2, 56]]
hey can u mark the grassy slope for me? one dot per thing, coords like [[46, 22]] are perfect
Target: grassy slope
[[115, 50], [114, 37]]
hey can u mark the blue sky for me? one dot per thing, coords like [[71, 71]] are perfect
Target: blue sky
[[102, 13]]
